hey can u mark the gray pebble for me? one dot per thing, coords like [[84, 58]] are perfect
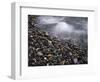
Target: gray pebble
[[39, 53], [70, 53], [75, 60]]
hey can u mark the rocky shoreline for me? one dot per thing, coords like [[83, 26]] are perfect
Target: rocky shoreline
[[44, 50]]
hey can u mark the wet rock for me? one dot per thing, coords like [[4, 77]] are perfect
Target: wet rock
[[46, 33], [49, 55], [70, 53], [34, 59], [45, 58], [47, 64], [75, 60], [62, 62], [39, 53], [37, 49]]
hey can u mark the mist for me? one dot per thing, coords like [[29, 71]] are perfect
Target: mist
[[64, 28]]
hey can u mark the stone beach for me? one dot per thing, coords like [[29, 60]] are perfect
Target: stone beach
[[45, 50]]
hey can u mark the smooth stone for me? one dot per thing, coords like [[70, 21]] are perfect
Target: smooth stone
[[75, 60], [70, 53], [40, 53]]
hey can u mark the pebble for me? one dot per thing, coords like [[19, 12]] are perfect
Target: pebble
[[50, 42], [70, 53], [39, 53], [31, 36], [37, 49], [49, 55], [46, 33], [45, 58], [62, 62], [75, 60], [34, 59]]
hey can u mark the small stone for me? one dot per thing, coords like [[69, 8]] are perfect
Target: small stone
[[37, 49], [33, 48], [34, 59], [46, 33], [33, 63], [50, 58], [39, 53], [31, 42], [49, 55], [50, 42], [62, 62], [29, 55], [47, 64], [45, 58], [31, 36], [75, 60], [70, 53], [60, 55]]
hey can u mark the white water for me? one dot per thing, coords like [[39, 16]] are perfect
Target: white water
[[60, 24], [63, 27]]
